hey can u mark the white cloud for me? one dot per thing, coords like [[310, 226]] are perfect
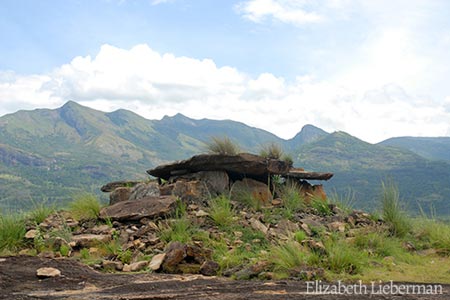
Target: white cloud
[[154, 84], [286, 11]]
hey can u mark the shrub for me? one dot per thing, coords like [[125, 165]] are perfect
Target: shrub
[[85, 207], [392, 211], [272, 150], [221, 211], [222, 146], [12, 232]]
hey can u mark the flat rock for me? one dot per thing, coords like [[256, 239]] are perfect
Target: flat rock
[[47, 272], [144, 190], [120, 194], [149, 207], [242, 164]]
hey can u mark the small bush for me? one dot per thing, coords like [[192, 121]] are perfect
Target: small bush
[[272, 151], [392, 211], [300, 236], [85, 207], [222, 146], [221, 211], [84, 253], [12, 232]]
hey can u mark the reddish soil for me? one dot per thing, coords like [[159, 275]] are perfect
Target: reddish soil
[[18, 280]]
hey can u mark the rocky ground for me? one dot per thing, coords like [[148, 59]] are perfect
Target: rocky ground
[[18, 280]]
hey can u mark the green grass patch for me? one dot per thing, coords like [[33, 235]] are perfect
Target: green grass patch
[[221, 211], [321, 206], [85, 207], [392, 211], [432, 233], [292, 199], [343, 257], [12, 232]]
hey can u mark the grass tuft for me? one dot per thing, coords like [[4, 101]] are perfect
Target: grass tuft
[[392, 211], [221, 211], [272, 151], [292, 199], [343, 257], [222, 146], [85, 207], [288, 256], [12, 232]]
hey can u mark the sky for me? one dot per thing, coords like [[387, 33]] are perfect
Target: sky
[[372, 68]]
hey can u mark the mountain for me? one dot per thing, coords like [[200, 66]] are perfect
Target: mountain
[[361, 167], [53, 155], [436, 148]]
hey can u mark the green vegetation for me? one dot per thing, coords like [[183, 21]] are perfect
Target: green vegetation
[[85, 207], [342, 257], [222, 146], [288, 256], [292, 199], [393, 213], [271, 150], [40, 212], [12, 232], [221, 211], [321, 206]]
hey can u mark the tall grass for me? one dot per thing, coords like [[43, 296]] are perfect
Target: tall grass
[[40, 211], [392, 211], [288, 256], [85, 207], [345, 201], [221, 211], [222, 146], [12, 232], [342, 257], [433, 233], [292, 199]]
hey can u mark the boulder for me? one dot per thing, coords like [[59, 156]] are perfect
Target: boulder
[[149, 207], [120, 194], [217, 182], [191, 191], [255, 189], [257, 225], [310, 192], [144, 190], [240, 164]]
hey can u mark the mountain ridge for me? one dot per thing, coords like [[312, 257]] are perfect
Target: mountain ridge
[[79, 148]]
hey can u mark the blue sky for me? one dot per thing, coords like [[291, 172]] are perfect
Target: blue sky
[[375, 69]]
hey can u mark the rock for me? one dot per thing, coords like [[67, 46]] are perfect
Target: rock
[[217, 182], [149, 207], [306, 229], [89, 240], [315, 246], [175, 254], [138, 266], [209, 268], [102, 229], [191, 191], [144, 190], [244, 163], [257, 225], [201, 213], [310, 192], [31, 234], [336, 226], [47, 272], [119, 194], [111, 266], [156, 262], [109, 187], [255, 189], [287, 226]]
